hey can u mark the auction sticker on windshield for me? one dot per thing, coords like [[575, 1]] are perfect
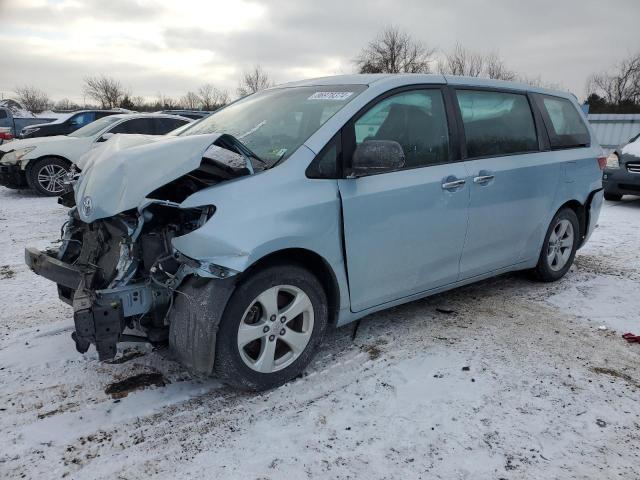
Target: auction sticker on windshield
[[330, 96]]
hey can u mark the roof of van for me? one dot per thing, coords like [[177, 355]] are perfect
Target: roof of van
[[415, 78]]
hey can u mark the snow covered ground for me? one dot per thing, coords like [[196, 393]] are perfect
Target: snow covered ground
[[504, 379]]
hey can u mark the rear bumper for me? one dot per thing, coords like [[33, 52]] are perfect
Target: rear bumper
[[619, 181], [12, 176]]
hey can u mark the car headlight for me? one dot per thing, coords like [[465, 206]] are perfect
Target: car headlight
[[14, 156], [613, 161]]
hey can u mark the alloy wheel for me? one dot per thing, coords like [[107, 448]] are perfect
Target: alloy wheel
[[560, 245], [275, 329], [51, 178]]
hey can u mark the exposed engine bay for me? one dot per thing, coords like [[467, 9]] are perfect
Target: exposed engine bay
[[121, 273]]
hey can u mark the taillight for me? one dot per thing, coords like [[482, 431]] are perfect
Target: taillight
[[602, 162], [6, 136]]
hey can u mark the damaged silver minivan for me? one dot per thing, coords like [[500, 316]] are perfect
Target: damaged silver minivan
[[310, 205]]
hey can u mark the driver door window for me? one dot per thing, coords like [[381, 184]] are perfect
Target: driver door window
[[415, 119], [82, 119]]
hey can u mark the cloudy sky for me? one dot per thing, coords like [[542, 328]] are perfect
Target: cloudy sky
[[171, 47]]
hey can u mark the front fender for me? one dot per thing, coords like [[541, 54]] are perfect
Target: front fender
[[264, 213]]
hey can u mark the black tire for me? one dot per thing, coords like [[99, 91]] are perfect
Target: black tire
[[229, 364], [544, 270], [35, 168], [613, 197]]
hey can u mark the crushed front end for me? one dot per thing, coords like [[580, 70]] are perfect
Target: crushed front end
[[120, 273]]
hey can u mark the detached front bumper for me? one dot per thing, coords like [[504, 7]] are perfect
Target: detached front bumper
[[12, 176], [100, 316]]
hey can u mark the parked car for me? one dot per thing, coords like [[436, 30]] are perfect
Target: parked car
[[622, 173], [193, 114], [301, 208], [66, 124], [42, 163], [12, 124]]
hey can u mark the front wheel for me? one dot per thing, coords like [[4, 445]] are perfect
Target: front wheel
[[559, 247], [271, 328], [46, 176]]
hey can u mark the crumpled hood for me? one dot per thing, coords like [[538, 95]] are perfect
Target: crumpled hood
[[118, 175], [37, 141]]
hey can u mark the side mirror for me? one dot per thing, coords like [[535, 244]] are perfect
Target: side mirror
[[105, 137], [377, 156], [73, 123]]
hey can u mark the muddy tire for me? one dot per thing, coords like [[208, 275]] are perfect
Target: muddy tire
[[559, 247], [271, 328], [613, 197], [45, 176]]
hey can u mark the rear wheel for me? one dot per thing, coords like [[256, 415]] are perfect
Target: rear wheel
[[271, 328], [614, 197], [559, 247], [46, 176]]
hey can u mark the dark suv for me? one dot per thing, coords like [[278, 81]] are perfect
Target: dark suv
[[622, 173], [65, 125]]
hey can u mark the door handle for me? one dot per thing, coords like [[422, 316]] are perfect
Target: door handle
[[483, 178], [453, 184]]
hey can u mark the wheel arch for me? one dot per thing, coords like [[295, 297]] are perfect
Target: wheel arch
[[313, 262], [31, 161], [581, 212]]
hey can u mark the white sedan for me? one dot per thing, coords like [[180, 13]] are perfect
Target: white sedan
[[42, 163]]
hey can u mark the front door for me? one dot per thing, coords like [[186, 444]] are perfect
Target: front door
[[404, 230]]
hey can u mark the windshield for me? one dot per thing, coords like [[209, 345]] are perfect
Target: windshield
[[95, 127], [274, 123]]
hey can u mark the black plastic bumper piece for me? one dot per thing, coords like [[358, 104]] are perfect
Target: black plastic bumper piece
[[51, 268], [194, 320], [95, 323], [12, 176], [100, 325]]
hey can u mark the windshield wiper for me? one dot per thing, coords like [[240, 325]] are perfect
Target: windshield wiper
[[245, 151], [277, 161]]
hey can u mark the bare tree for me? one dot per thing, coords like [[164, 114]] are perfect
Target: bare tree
[[66, 104], [165, 102], [496, 68], [538, 82], [139, 103], [212, 98], [462, 61], [253, 81], [108, 91], [191, 101], [394, 51], [32, 98], [620, 86]]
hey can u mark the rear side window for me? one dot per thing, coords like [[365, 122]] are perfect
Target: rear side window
[[497, 123], [143, 126], [564, 123], [166, 125], [415, 119]]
